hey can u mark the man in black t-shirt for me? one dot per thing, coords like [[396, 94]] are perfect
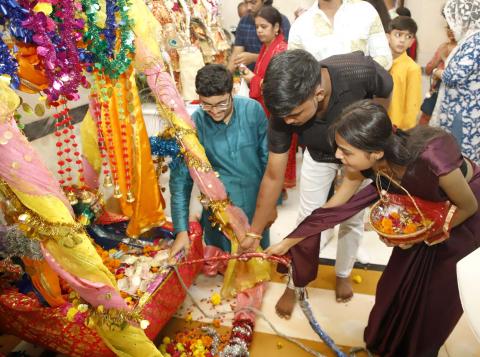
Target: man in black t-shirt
[[305, 96]]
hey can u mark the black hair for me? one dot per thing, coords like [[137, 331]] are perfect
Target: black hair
[[366, 126], [403, 23], [271, 14], [382, 11], [403, 11], [291, 78], [267, 2], [213, 79]]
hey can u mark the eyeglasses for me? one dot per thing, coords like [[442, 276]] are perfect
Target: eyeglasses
[[222, 106]]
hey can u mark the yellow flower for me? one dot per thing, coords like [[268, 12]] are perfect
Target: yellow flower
[[71, 313], [357, 279], [44, 7], [216, 299], [144, 324], [180, 347], [90, 323], [83, 307], [166, 340]]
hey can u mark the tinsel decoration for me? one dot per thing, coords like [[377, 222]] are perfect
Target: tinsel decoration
[[56, 46], [110, 31], [240, 339], [166, 148], [15, 13], [8, 64], [210, 331], [14, 243], [98, 41]]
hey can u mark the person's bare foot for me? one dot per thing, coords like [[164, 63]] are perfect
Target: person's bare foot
[[286, 303], [343, 289]]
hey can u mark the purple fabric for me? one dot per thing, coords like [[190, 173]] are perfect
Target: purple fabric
[[417, 301], [305, 255]]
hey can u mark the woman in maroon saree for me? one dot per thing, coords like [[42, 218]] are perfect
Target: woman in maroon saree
[[268, 22], [417, 301]]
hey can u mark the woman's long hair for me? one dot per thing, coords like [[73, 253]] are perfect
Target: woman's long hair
[[366, 126]]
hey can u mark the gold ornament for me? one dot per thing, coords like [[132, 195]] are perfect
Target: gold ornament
[[130, 197], [86, 197], [107, 181], [116, 192], [37, 227], [72, 198]]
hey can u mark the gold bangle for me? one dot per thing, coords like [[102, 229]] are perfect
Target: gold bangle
[[254, 235]]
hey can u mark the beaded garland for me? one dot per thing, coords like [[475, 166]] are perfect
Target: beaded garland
[[115, 64], [107, 140], [67, 151]]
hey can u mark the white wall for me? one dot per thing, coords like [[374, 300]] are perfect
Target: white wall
[[286, 7], [427, 13], [431, 26]]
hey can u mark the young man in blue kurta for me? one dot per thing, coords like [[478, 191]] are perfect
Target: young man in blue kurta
[[233, 132]]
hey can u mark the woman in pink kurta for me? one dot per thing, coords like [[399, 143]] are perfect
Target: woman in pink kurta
[[268, 22]]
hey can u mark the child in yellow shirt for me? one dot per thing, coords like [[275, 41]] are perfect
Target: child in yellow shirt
[[407, 76]]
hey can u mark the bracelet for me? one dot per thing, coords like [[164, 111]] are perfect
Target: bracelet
[[254, 235]]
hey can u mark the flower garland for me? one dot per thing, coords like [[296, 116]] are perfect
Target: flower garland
[[198, 342], [8, 64], [112, 65]]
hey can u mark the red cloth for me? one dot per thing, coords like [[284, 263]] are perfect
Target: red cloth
[[291, 171], [413, 50], [278, 45]]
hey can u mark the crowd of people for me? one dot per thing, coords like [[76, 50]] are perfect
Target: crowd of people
[[343, 84]]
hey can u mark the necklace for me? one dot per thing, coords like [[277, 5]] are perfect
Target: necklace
[[101, 43]]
